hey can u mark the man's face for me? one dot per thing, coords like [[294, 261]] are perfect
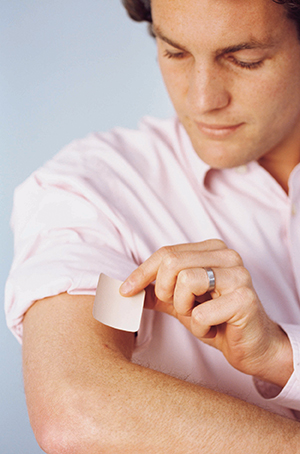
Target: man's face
[[232, 70]]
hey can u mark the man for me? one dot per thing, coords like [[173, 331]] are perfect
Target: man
[[224, 193]]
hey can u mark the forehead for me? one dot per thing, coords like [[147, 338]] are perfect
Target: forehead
[[190, 21]]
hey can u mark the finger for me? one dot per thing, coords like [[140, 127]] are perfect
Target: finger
[[154, 303], [236, 308], [194, 282], [173, 263], [147, 271], [190, 283]]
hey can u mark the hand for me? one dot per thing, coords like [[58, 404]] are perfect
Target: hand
[[231, 318]]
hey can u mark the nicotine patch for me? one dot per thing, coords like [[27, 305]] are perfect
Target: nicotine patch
[[113, 309]]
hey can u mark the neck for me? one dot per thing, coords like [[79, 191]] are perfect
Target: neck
[[280, 169]]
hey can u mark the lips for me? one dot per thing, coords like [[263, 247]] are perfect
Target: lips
[[219, 130]]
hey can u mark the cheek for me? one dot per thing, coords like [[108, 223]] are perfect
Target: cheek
[[281, 86], [176, 82], [268, 97], [265, 97], [280, 98]]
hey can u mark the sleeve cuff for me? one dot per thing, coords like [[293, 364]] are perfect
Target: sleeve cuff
[[289, 396]]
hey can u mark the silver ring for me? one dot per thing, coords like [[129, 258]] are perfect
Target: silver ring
[[211, 279]]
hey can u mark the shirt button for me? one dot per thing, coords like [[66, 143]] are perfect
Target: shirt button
[[293, 211], [241, 169]]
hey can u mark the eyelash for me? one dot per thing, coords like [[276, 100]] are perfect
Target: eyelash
[[177, 55], [241, 64]]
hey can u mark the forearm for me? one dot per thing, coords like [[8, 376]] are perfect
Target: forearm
[[147, 412], [85, 396], [144, 411]]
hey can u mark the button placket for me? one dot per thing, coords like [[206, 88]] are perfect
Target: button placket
[[294, 224]]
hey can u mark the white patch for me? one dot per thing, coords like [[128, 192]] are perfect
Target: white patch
[[113, 309]]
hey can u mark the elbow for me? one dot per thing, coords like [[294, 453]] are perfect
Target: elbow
[[53, 439], [55, 435], [67, 429]]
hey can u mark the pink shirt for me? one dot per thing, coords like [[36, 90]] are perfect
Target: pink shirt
[[107, 202]]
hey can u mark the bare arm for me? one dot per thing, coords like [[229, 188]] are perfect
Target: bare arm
[[85, 396]]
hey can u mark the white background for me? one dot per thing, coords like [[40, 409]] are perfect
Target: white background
[[67, 67]]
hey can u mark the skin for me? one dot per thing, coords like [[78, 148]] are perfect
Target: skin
[[85, 396], [83, 392], [228, 85], [231, 318], [211, 86]]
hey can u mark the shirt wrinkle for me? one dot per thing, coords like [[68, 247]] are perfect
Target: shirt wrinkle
[[112, 211]]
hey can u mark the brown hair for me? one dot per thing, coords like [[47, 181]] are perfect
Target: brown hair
[[140, 10]]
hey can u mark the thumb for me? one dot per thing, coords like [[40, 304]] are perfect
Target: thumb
[[152, 302]]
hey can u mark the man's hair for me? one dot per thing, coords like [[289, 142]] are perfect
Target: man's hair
[[140, 10]]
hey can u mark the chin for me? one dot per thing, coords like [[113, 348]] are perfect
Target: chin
[[220, 158]]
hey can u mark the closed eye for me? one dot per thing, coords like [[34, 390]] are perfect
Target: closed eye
[[175, 55], [246, 65]]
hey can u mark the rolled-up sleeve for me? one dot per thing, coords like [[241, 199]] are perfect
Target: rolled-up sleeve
[[64, 237]]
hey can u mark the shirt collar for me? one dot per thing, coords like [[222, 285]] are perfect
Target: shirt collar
[[200, 169]]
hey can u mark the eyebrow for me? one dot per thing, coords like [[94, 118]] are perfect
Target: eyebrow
[[159, 34], [251, 44]]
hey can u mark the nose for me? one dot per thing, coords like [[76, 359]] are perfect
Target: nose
[[208, 90]]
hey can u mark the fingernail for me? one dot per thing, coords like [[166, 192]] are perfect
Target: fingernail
[[126, 287]]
